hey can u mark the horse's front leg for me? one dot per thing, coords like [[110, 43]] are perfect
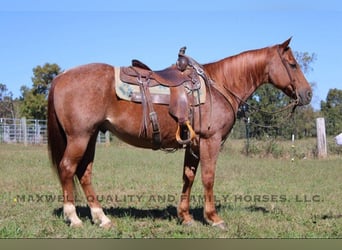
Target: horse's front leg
[[191, 161], [209, 151]]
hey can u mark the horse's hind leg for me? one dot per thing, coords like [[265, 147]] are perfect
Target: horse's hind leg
[[84, 173], [67, 168], [191, 162]]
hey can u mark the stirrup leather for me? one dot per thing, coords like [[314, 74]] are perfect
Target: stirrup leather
[[192, 134]]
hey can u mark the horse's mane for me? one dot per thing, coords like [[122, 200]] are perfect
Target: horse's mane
[[241, 70]]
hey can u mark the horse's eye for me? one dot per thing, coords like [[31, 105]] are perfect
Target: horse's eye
[[293, 65]]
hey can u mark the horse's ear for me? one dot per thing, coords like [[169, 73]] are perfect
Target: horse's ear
[[285, 44]]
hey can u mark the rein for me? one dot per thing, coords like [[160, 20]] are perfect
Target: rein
[[292, 105]]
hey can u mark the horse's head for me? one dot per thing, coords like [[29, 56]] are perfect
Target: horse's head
[[285, 74]]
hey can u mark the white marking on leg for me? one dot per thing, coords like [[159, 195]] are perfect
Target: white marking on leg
[[100, 218], [69, 210]]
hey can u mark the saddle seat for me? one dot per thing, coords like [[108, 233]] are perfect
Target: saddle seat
[[169, 77]]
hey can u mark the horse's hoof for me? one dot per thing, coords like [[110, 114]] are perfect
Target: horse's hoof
[[189, 223], [220, 225], [78, 224], [107, 225]]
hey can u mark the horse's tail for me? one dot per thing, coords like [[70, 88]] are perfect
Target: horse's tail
[[56, 135]]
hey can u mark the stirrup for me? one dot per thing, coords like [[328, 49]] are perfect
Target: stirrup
[[191, 136]]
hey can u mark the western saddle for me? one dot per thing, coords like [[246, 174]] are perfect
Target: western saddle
[[182, 80]]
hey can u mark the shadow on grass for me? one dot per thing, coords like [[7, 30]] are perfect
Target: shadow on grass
[[167, 213], [254, 208], [328, 216]]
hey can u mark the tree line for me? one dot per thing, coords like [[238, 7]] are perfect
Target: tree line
[[257, 118], [32, 103]]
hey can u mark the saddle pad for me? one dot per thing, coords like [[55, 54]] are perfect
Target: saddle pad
[[126, 91]]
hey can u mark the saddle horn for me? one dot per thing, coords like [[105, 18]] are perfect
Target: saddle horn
[[182, 62]]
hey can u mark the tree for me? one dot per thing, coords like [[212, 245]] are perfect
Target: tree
[[6, 102], [43, 76], [305, 59], [303, 124], [332, 110], [264, 103], [34, 101]]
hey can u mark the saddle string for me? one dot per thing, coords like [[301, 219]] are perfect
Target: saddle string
[[292, 105], [147, 106], [143, 129]]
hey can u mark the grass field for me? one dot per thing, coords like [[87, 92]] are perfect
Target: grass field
[[257, 197]]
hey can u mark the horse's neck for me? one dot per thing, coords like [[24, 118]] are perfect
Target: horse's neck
[[240, 75]]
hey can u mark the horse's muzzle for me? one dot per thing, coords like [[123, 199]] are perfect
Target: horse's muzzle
[[305, 97]]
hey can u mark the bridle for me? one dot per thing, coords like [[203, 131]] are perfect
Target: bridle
[[292, 81]]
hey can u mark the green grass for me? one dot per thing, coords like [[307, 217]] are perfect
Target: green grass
[[257, 197]]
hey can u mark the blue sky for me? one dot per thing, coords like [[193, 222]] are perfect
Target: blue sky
[[72, 33]]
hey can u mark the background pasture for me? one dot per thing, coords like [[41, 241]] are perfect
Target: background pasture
[[259, 197]]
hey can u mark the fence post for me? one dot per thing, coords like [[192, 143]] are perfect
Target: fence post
[[24, 130], [321, 138]]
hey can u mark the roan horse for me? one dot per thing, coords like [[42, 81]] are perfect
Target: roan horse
[[82, 102]]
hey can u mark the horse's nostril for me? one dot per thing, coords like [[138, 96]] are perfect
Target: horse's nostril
[[305, 97]]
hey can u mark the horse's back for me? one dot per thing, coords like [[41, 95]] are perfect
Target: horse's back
[[86, 72]]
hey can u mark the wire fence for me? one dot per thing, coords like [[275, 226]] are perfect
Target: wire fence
[[30, 131]]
